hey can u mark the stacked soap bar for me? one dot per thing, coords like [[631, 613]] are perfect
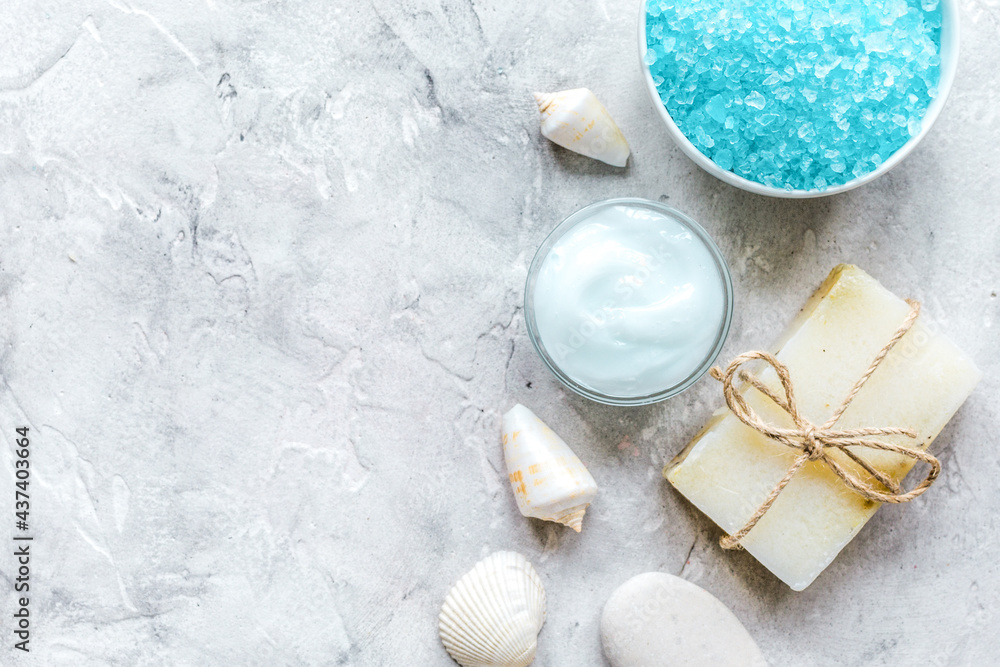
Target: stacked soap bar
[[793, 94], [729, 468]]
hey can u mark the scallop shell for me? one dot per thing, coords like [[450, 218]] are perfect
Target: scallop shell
[[492, 616], [576, 120], [548, 479]]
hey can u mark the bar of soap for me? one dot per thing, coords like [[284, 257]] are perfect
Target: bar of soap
[[656, 619], [728, 469]]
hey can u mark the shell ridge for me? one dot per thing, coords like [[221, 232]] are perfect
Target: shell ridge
[[491, 617], [471, 595], [489, 592], [492, 600]]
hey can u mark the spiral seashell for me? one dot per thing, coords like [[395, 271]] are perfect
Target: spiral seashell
[[576, 120], [492, 616], [548, 479]]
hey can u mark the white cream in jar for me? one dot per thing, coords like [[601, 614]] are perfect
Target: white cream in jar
[[628, 301]]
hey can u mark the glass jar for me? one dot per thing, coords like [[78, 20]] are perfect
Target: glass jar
[[628, 302]]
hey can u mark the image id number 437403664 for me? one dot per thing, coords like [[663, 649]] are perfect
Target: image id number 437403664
[[22, 541]]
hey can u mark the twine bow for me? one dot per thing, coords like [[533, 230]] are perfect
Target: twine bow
[[814, 441]]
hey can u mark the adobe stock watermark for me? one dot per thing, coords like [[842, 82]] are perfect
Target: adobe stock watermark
[[443, 473], [598, 140], [594, 320], [976, 9], [914, 342], [662, 600], [567, 14], [976, 628]]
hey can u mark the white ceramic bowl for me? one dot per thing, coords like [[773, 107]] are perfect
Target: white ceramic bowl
[[949, 63]]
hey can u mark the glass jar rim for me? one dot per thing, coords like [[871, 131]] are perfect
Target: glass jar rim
[[561, 230]]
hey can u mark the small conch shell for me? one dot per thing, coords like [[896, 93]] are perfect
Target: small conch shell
[[492, 616], [576, 120], [548, 479]]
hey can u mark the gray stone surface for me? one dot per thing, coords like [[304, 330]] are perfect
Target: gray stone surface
[[261, 268]]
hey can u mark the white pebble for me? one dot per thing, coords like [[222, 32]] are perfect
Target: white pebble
[[657, 619]]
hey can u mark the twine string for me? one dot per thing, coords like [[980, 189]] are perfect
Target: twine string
[[813, 441]]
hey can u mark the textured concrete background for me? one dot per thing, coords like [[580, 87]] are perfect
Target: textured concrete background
[[261, 269]]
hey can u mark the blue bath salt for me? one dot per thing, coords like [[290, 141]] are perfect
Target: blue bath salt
[[796, 94]]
